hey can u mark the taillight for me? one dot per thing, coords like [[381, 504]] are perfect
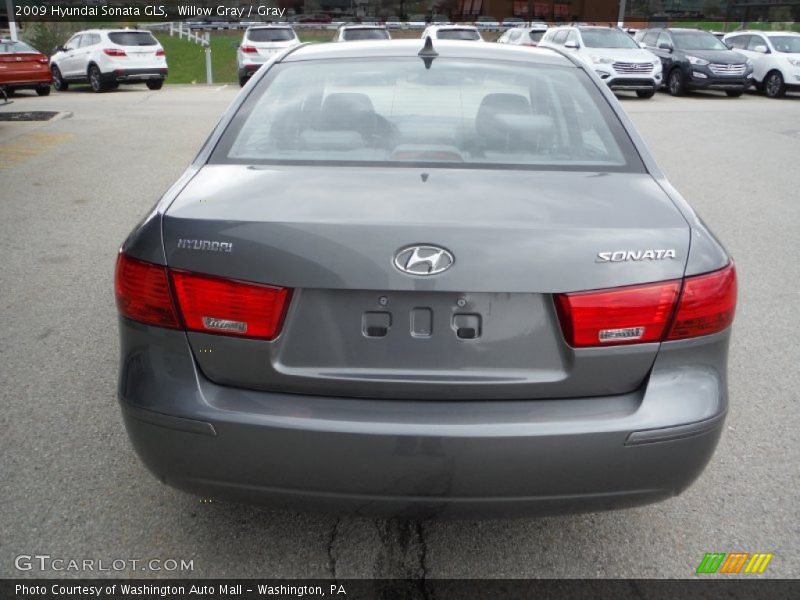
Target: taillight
[[114, 52], [142, 291], [707, 305], [669, 310], [161, 52], [198, 302], [249, 49], [215, 305], [627, 315]]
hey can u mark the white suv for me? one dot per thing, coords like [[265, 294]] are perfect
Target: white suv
[[775, 56], [258, 45], [360, 33], [104, 58], [466, 33], [613, 54]]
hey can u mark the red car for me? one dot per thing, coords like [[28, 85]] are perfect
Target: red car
[[22, 67]]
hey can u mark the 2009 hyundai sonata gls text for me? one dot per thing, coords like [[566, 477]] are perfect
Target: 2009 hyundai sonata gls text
[[425, 280]]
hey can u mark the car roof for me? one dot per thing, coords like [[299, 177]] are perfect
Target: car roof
[[452, 26], [115, 30], [758, 31], [411, 48], [362, 26]]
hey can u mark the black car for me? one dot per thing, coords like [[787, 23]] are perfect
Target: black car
[[697, 60]]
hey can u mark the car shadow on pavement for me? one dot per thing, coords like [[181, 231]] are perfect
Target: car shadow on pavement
[[311, 544]]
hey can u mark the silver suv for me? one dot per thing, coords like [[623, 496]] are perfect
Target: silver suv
[[613, 54]]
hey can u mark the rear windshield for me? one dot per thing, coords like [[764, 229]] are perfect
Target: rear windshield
[[536, 36], [270, 35], [133, 38], [607, 38], [697, 40], [366, 34], [12, 47], [457, 113], [458, 34]]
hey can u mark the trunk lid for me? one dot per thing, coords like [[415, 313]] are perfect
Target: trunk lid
[[358, 326], [18, 66]]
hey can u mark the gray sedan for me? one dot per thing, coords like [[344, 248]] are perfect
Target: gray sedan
[[333, 308]]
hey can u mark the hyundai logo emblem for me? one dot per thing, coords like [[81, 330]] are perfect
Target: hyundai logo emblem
[[423, 259]]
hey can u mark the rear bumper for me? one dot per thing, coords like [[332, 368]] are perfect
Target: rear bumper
[[419, 458], [31, 82], [134, 75], [248, 69]]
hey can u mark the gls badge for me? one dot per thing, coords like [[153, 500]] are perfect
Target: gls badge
[[634, 255]]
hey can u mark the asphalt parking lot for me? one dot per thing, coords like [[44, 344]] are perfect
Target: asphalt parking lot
[[71, 487]]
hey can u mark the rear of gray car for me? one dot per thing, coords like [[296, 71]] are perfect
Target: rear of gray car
[[333, 308]]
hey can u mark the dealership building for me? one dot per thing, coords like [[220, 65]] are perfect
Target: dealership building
[[598, 11]]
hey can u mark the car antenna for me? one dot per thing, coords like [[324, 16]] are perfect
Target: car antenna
[[427, 54]]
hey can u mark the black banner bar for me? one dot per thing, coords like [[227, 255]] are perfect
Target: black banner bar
[[730, 588], [220, 14]]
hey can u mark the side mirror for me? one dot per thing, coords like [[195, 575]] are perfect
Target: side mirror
[[665, 46], [762, 49], [58, 49], [642, 45], [572, 45]]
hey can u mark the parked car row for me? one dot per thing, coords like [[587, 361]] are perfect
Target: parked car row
[[678, 59], [415, 21], [103, 58]]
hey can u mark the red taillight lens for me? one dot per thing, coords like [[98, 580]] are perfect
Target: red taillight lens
[[249, 49], [142, 291], [114, 52], [707, 304], [225, 306], [637, 314], [161, 52], [206, 303], [627, 315]]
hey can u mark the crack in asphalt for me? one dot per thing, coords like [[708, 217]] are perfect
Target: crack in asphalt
[[423, 560], [402, 560], [331, 541]]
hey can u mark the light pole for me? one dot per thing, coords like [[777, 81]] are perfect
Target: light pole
[[12, 25], [621, 15]]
